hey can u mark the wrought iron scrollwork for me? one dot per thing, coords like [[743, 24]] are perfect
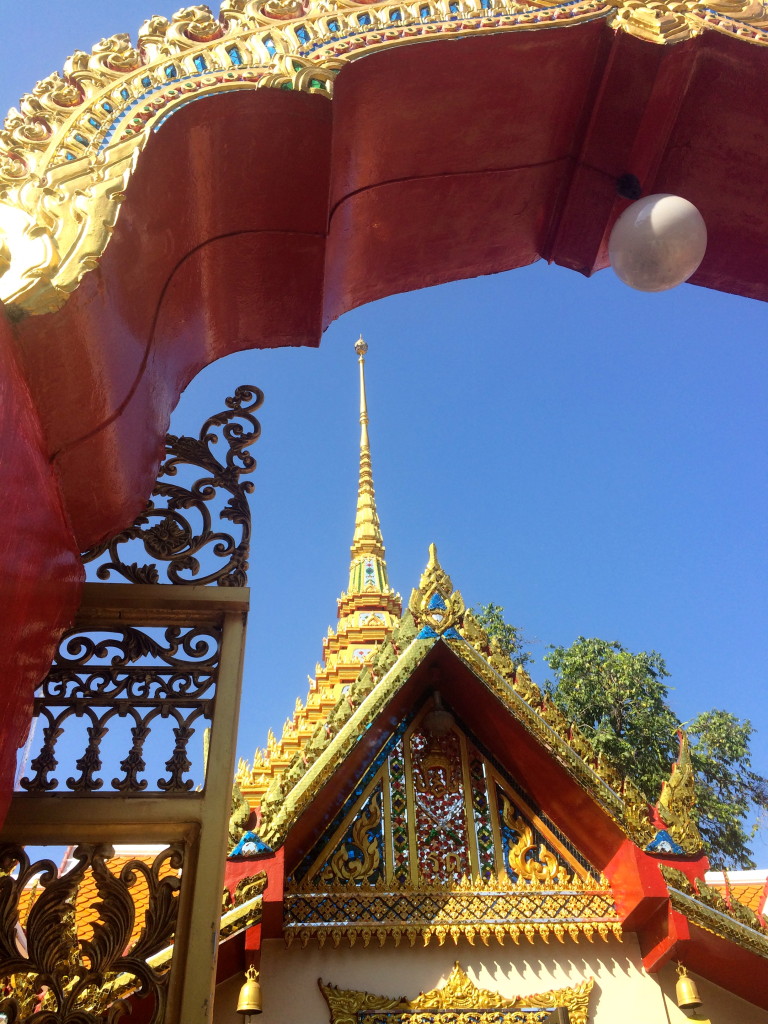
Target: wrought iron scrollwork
[[177, 526], [130, 674], [54, 975]]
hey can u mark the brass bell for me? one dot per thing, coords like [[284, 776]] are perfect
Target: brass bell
[[686, 992], [250, 994]]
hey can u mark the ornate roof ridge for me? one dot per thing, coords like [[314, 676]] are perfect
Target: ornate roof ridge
[[705, 906], [293, 789], [436, 611]]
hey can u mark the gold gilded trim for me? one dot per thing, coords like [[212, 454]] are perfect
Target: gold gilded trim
[[69, 150], [392, 666], [434, 604], [677, 803], [334, 739], [705, 906], [660, 21], [719, 923], [473, 910], [615, 793], [459, 993]]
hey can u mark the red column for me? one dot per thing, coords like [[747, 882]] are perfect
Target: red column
[[40, 570]]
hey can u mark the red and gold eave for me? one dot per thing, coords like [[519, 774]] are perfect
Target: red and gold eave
[[254, 218], [519, 733]]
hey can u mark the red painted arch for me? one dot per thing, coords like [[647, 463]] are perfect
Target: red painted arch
[[255, 218]]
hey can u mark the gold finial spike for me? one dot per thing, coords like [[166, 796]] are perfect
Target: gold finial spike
[[361, 347], [367, 541], [435, 574]]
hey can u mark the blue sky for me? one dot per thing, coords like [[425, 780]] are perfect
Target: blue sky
[[589, 457]]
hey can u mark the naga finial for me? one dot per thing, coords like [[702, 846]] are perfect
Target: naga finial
[[677, 804]]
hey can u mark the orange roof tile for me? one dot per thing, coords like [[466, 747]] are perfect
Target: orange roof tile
[[748, 887]]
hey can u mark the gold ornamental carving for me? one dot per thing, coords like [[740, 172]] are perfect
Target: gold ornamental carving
[[482, 912], [69, 149], [51, 969], [434, 604], [617, 794], [458, 1001], [661, 21], [345, 868], [527, 859], [677, 803]]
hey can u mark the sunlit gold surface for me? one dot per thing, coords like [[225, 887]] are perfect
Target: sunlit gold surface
[[677, 803], [434, 603], [368, 611], [69, 150], [133, 919], [474, 910], [391, 666], [705, 906], [458, 994]]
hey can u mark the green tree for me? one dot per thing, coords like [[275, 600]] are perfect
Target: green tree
[[621, 701], [511, 638], [727, 789]]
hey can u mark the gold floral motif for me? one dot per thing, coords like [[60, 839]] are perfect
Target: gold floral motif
[[666, 21], [677, 803], [248, 888], [74, 978], [283, 10], [344, 868], [195, 23], [524, 859], [434, 604], [459, 993]]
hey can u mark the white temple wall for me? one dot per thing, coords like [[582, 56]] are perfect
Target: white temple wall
[[623, 993]]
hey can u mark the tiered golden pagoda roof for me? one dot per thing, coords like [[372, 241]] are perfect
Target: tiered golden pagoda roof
[[367, 613]]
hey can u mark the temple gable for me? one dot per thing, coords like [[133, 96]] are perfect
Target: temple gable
[[435, 808]]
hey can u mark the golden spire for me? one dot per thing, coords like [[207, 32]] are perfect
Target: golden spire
[[367, 613], [368, 569]]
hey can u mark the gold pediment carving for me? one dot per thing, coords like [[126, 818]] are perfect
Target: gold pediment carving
[[456, 1000]]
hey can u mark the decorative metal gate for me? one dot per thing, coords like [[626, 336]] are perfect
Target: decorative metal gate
[[154, 662]]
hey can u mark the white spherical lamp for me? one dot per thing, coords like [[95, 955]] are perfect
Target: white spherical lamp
[[657, 243]]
